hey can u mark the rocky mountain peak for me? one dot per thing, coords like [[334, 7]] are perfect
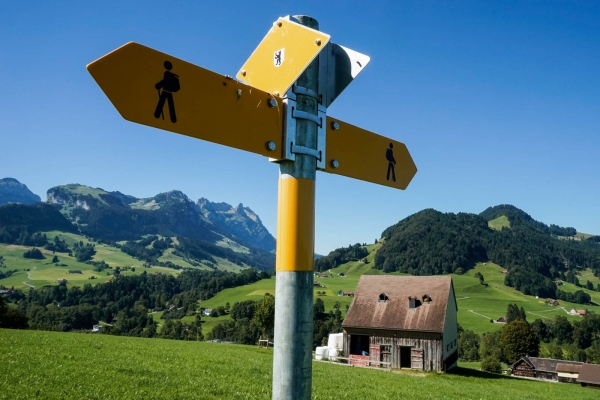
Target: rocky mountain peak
[[13, 191]]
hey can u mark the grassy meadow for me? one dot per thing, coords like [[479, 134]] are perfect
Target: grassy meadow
[[499, 223], [43, 272], [477, 304], [53, 365]]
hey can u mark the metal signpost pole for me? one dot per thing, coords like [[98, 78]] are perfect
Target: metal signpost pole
[[292, 357]]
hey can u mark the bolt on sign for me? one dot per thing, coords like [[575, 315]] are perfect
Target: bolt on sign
[[164, 92]]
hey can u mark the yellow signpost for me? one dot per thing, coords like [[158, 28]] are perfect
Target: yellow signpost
[[364, 155], [288, 125], [284, 53], [158, 90]]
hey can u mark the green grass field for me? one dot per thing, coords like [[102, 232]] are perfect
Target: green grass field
[[53, 365]]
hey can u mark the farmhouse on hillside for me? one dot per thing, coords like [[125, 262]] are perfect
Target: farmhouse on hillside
[[547, 369], [578, 312], [407, 321]]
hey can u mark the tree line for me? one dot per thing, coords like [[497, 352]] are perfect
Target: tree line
[[251, 320], [124, 303]]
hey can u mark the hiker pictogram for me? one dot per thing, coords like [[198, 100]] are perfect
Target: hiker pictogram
[[169, 85], [389, 154]]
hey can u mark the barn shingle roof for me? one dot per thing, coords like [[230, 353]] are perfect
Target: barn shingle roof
[[590, 373], [550, 364], [367, 311]]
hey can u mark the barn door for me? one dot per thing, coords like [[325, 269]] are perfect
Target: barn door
[[386, 356], [416, 359]]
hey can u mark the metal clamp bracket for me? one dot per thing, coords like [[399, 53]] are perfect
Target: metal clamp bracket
[[290, 149], [308, 116], [306, 150], [306, 92]]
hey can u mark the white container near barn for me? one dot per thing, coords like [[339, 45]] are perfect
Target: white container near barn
[[333, 353], [336, 341], [321, 352]]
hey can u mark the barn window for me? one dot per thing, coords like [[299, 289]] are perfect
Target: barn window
[[383, 297], [426, 298]]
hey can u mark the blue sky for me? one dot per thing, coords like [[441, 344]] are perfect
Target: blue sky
[[497, 101]]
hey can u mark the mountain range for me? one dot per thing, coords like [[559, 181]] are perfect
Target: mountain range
[[13, 191], [114, 216], [534, 254], [202, 234]]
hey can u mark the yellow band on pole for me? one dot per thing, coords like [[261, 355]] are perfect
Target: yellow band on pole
[[296, 224]]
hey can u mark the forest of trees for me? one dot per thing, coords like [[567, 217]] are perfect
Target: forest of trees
[[430, 242], [340, 256], [123, 303], [577, 341], [516, 216]]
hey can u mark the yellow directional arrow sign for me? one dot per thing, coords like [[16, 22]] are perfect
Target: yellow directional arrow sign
[[282, 56], [364, 155], [158, 90]]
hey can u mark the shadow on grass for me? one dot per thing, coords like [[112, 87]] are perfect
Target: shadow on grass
[[473, 373]]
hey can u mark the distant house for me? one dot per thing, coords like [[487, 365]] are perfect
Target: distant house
[[578, 312], [172, 306], [589, 376], [96, 328], [207, 311], [505, 271], [501, 320], [345, 294], [5, 293], [316, 284], [407, 321], [553, 302], [62, 280], [323, 276], [559, 283], [546, 369]]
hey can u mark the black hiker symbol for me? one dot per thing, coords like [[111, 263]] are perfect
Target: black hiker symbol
[[389, 154], [169, 85]]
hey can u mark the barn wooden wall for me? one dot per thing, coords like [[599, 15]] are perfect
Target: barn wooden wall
[[430, 343]]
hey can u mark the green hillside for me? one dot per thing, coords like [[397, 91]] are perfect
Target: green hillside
[[55, 365], [44, 272], [477, 303]]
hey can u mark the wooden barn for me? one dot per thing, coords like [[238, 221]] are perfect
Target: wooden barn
[[408, 321]]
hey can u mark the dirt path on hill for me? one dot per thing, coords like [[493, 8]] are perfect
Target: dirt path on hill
[[485, 316], [29, 277]]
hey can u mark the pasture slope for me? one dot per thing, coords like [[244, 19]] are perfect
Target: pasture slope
[[54, 365], [477, 303], [47, 273]]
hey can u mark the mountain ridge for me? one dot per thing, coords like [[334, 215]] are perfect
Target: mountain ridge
[[13, 191]]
